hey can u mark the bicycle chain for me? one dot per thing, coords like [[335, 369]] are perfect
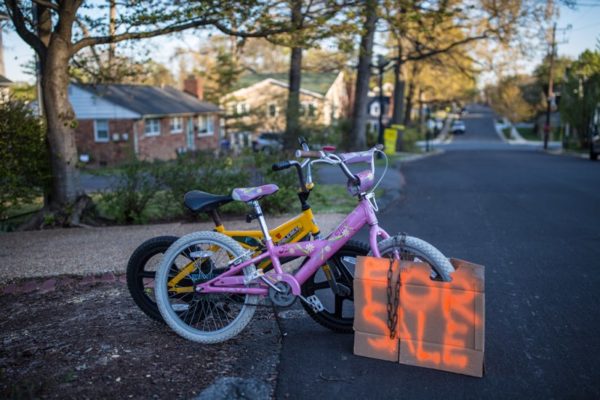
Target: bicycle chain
[[392, 306]]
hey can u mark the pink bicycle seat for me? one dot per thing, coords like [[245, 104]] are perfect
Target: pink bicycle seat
[[253, 193]]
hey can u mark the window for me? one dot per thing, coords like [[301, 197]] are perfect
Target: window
[[272, 110], [242, 108], [101, 130], [375, 109], [176, 125], [308, 109], [152, 127], [206, 125]]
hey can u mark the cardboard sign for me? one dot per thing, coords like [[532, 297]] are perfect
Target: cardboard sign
[[440, 324]]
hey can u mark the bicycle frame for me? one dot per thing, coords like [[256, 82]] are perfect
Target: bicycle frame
[[303, 223], [317, 251]]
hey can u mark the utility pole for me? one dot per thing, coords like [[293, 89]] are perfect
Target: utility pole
[[550, 96]]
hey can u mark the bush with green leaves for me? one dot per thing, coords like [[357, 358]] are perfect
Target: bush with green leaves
[[200, 171], [287, 181], [135, 188], [24, 161]]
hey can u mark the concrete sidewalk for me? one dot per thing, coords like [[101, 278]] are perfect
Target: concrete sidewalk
[[91, 251]]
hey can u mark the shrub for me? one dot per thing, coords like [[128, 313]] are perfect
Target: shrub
[[136, 186], [24, 162], [287, 181], [199, 171]]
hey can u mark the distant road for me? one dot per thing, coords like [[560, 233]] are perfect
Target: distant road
[[481, 134]]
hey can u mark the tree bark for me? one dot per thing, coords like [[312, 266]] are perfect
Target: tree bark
[[398, 94], [409, 102], [357, 139], [292, 114], [60, 120]]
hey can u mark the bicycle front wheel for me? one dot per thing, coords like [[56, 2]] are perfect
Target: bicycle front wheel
[[201, 317], [417, 250]]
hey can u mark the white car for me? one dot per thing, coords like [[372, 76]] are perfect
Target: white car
[[458, 127]]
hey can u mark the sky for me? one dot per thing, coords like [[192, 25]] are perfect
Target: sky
[[584, 32]]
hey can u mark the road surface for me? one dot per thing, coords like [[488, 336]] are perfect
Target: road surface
[[533, 220]]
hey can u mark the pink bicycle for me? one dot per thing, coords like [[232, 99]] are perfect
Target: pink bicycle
[[227, 286]]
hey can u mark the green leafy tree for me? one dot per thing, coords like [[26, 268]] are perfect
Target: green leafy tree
[[580, 94], [58, 30], [24, 168]]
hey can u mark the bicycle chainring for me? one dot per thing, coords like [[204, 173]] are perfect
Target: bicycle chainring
[[283, 298]]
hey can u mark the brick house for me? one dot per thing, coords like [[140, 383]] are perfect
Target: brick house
[[118, 120]]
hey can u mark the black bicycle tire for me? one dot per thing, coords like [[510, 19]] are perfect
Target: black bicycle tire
[[326, 318], [136, 264]]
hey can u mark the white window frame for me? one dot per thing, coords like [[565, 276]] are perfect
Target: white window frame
[[276, 113], [305, 107], [98, 139], [176, 127], [206, 125], [242, 108], [150, 123], [375, 109]]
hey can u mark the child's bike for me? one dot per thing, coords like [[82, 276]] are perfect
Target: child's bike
[[223, 286], [336, 273]]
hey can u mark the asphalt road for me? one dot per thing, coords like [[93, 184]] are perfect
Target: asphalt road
[[533, 220]]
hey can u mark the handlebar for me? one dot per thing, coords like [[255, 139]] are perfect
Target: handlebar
[[281, 165], [308, 154]]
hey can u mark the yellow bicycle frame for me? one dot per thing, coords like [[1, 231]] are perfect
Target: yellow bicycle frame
[[293, 230]]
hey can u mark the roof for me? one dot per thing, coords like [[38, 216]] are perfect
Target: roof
[[4, 81], [151, 100], [318, 82]]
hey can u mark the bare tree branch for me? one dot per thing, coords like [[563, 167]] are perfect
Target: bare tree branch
[[432, 52], [47, 4], [18, 20], [92, 41]]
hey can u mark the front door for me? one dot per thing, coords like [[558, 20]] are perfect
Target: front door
[[191, 144]]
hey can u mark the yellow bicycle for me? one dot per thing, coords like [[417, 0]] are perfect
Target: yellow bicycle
[[332, 284]]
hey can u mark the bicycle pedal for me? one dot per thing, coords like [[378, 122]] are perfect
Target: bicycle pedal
[[254, 275], [315, 303]]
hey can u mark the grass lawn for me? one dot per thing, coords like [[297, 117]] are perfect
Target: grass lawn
[[528, 133]]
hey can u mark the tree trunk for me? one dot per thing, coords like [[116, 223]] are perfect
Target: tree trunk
[[398, 94], [60, 121], [357, 139], [292, 114], [409, 102]]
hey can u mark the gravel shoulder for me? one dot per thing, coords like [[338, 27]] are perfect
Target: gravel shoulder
[[92, 251], [70, 330]]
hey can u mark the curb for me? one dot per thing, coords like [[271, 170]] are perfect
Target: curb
[[46, 285]]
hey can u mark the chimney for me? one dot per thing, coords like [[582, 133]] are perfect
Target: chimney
[[193, 85]]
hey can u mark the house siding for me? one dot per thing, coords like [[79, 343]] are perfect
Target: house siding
[[167, 145], [105, 153]]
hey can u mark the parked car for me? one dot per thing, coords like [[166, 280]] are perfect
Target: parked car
[[458, 127], [268, 142]]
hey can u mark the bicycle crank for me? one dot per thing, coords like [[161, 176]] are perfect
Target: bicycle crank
[[281, 294]]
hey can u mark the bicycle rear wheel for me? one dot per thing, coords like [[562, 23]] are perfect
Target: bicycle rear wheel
[[141, 270], [201, 317], [338, 314]]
